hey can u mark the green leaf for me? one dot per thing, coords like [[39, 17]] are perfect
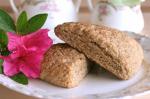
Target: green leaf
[[3, 43], [125, 2], [22, 22], [36, 22], [6, 22], [20, 78], [5, 52], [1, 67], [3, 38]]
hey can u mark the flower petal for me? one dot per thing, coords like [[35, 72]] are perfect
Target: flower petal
[[10, 67], [39, 40], [32, 65], [30, 72], [14, 41]]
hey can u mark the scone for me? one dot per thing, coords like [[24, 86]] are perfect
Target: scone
[[64, 66], [112, 49]]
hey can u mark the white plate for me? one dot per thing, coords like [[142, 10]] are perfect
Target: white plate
[[95, 85]]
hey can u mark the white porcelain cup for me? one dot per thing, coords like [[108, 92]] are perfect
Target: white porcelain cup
[[59, 11], [124, 18]]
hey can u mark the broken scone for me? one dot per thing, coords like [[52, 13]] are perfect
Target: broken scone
[[64, 66], [110, 48]]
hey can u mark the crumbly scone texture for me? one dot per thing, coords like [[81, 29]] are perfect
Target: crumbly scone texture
[[112, 49], [64, 66]]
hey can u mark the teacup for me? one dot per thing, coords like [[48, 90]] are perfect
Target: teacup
[[124, 18], [59, 11]]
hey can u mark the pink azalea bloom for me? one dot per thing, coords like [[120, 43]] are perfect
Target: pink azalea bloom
[[27, 53]]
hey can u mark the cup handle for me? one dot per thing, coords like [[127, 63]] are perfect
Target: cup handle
[[90, 5], [77, 6], [14, 8]]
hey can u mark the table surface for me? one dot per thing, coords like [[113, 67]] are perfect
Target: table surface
[[6, 93]]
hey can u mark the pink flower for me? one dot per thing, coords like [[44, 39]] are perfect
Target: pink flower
[[27, 53]]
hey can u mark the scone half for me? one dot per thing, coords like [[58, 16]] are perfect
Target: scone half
[[111, 48], [64, 66]]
